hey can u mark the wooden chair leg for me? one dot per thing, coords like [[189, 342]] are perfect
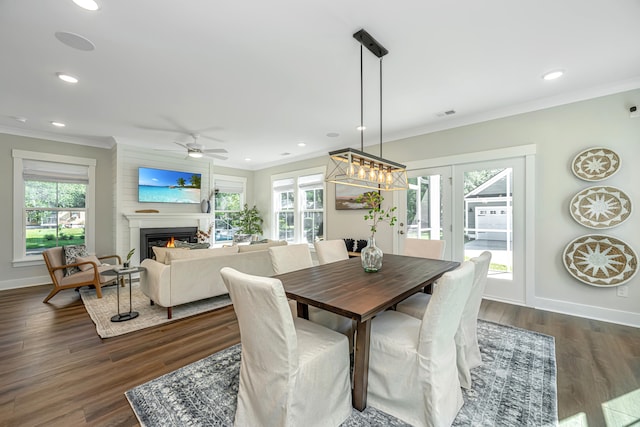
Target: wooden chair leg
[[51, 294], [99, 290]]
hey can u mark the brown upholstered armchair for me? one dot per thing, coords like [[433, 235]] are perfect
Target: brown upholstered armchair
[[53, 257]]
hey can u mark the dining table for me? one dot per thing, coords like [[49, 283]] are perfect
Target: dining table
[[344, 288]]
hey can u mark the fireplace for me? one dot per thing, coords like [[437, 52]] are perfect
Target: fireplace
[[150, 237]]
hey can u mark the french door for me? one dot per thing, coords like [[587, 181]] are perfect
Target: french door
[[474, 207]]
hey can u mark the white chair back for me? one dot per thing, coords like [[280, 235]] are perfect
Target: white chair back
[[466, 337], [331, 251], [269, 344], [285, 259], [424, 248]]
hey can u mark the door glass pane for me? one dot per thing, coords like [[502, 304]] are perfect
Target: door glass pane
[[488, 220], [424, 208]]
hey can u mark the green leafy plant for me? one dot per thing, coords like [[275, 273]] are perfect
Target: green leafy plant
[[376, 214], [249, 220], [130, 254]]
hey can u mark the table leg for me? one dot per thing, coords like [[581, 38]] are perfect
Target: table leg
[[361, 365], [303, 310]]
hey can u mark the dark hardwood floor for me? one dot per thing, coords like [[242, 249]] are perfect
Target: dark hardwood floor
[[56, 371]]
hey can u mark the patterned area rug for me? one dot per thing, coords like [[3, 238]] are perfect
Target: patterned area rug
[[102, 309], [516, 386]]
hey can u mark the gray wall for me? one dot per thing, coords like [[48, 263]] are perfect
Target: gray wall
[[15, 276]]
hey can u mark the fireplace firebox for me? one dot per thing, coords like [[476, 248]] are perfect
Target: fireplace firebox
[[150, 237]]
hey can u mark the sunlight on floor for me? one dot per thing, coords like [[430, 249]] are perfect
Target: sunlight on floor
[[623, 410]]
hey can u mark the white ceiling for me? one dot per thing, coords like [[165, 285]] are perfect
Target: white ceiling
[[261, 76]]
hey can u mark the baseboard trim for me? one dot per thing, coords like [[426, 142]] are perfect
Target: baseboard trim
[[24, 282], [620, 317]]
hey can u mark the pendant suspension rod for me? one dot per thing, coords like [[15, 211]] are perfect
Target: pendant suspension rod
[[380, 106], [361, 103]]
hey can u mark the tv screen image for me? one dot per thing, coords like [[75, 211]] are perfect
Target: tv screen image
[[167, 186]]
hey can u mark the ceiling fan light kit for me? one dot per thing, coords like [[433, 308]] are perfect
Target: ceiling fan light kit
[[355, 167]]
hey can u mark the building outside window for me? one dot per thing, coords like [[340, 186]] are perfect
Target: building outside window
[[298, 206]]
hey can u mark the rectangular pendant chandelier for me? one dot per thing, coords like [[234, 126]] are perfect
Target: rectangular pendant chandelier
[[353, 167], [356, 168]]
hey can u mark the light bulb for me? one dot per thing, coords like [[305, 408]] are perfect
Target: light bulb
[[362, 173], [372, 173]]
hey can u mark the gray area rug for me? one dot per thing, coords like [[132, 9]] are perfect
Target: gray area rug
[[515, 386], [102, 309]]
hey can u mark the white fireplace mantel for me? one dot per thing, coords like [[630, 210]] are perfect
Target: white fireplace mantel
[[160, 220]]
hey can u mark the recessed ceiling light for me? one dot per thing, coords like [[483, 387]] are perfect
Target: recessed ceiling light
[[67, 78], [58, 124], [333, 134], [87, 4], [361, 128], [552, 75], [247, 159], [301, 144]]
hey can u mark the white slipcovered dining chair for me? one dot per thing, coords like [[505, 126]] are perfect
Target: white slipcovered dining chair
[[412, 362], [331, 251], [424, 248], [285, 259], [468, 351], [293, 372]]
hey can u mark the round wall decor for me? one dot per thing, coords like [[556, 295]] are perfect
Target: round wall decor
[[600, 207], [595, 164], [599, 260]]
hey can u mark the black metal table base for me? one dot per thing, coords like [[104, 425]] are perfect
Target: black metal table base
[[123, 317]]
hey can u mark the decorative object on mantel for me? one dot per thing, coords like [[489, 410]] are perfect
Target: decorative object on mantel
[[205, 206], [371, 255], [600, 207], [250, 225], [355, 167], [600, 260], [147, 211], [595, 164]]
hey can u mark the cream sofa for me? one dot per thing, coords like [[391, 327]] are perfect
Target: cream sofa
[[179, 276]]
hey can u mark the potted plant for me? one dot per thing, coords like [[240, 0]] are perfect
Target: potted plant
[[371, 255], [249, 224], [127, 261]]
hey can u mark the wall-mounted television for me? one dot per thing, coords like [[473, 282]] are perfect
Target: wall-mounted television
[[167, 186]]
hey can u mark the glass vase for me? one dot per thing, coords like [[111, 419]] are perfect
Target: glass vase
[[371, 256]]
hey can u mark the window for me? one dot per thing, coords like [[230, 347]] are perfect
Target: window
[[53, 204], [298, 206], [229, 199]]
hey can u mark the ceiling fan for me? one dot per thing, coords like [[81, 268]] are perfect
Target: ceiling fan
[[196, 150]]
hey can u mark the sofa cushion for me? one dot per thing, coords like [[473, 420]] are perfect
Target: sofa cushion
[[71, 252], [200, 253], [161, 253], [86, 267], [261, 246]]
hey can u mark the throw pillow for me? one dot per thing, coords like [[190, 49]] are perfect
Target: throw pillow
[[71, 252], [86, 267], [161, 253]]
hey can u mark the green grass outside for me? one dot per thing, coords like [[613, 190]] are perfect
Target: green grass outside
[[44, 238]]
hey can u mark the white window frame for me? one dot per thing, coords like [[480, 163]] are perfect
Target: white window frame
[[243, 199], [298, 211], [20, 257]]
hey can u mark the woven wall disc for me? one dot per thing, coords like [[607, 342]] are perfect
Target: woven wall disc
[[595, 164], [600, 207]]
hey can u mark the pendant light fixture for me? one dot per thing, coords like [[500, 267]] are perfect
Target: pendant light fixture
[[355, 167]]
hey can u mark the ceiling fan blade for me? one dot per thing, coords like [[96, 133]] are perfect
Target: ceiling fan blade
[[181, 144], [215, 150], [216, 156]]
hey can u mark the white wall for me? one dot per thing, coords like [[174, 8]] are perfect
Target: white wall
[[559, 134]]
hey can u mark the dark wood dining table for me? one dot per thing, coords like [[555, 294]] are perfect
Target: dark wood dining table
[[344, 288]]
